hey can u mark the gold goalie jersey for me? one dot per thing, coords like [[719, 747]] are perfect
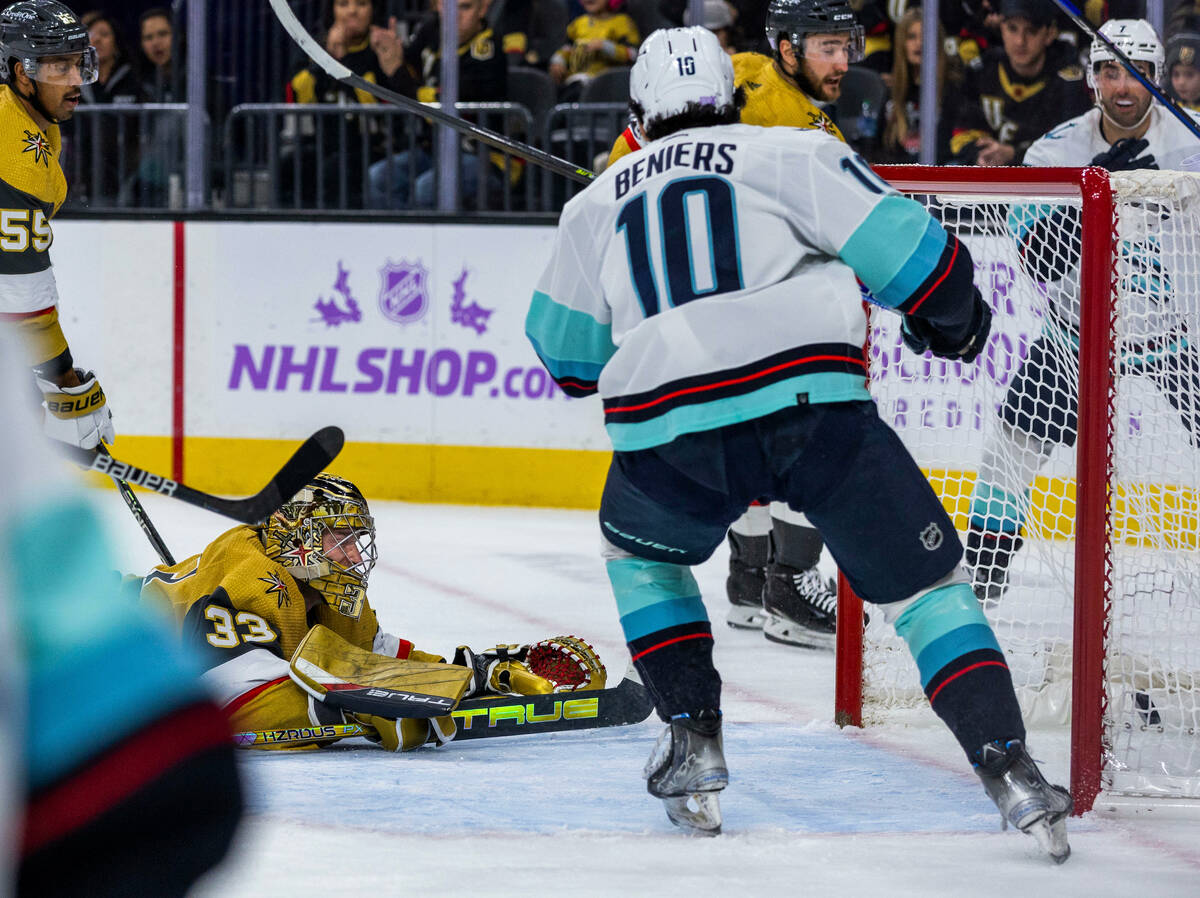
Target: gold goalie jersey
[[771, 100], [245, 615], [32, 189]]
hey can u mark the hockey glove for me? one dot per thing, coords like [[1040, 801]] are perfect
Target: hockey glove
[[1123, 155], [77, 415], [558, 664], [921, 336]]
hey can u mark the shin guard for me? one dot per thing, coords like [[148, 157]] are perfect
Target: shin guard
[[668, 633], [962, 669]]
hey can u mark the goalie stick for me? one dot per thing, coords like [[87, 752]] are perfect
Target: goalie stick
[[341, 73], [512, 715], [313, 456], [143, 520]]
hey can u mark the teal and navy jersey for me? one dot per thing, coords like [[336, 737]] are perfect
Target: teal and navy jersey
[[711, 279]]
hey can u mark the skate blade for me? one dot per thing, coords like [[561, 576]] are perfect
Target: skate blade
[[746, 617], [784, 632], [1051, 838], [697, 814]]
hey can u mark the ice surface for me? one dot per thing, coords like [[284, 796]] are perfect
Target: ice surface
[[811, 810]]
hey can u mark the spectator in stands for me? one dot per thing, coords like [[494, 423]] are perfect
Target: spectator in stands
[[901, 138], [163, 83], [407, 178], [1183, 68], [600, 39], [531, 30], [107, 155], [1022, 90], [354, 33], [720, 18], [118, 81]]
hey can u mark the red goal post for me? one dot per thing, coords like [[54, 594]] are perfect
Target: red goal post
[[979, 201]]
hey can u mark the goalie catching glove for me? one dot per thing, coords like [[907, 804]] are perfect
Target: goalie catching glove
[[557, 664], [921, 335]]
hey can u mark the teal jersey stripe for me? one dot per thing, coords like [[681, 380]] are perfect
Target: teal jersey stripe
[[936, 614], [953, 645], [661, 616], [1022, 219], [895, 248], [564, 336], [652, 595], [995, 509], [88, 644], [559, 369], [130, 678], [821, 387]]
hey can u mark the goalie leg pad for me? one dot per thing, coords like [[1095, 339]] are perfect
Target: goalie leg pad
[[338, 673], [408, 733]]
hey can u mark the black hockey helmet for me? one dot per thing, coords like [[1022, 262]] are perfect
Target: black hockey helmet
[[793, 19], [34, 29]]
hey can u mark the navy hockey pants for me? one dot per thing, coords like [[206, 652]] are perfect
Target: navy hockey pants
[[837, 462]]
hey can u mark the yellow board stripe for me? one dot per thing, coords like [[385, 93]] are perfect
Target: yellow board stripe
[[572, 478]]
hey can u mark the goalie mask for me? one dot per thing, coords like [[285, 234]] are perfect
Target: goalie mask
[[1136, 38], [44, 35], [325, 536]]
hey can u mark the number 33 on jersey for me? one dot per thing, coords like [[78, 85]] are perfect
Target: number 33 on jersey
[[710, 278]]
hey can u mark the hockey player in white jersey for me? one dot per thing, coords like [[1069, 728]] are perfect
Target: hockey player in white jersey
[[1125, 131], [706, 289]]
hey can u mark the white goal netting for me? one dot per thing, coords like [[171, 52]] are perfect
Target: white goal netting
[[994, 438]]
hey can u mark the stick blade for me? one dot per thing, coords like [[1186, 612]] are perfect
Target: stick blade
[[313, 457]]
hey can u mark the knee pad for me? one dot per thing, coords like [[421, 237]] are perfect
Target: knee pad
[[653, 595], [941, 624]]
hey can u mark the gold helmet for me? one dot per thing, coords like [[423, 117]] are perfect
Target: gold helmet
[[325, 535]]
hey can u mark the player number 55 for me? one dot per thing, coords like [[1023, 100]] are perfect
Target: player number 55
[[17, 231]]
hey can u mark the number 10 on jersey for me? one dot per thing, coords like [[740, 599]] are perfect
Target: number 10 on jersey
[[697, 220]]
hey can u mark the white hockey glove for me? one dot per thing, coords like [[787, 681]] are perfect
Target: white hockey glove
[[77, 415]]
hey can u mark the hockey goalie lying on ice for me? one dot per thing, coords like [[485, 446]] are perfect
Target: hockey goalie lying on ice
[[280, 615]]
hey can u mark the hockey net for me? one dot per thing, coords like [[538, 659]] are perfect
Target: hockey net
[[1100, 618]]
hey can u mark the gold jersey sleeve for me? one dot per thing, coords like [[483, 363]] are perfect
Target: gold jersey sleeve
[[771, 100], [232, 598]]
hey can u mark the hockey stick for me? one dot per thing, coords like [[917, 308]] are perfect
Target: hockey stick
[[143, 520], [309, 460], [1174, 108], [339, 72], [515, 715]]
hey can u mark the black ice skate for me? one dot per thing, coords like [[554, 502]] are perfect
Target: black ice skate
[[747, 576], [744, 586], [1024, 798], [801, 607], [687, 771], [988, 556]]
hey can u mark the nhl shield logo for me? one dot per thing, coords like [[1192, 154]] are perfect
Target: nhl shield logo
[[931, 537], [404, 291]]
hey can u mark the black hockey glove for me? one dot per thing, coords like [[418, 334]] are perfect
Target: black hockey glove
[[921, 336], [1123, 155]]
